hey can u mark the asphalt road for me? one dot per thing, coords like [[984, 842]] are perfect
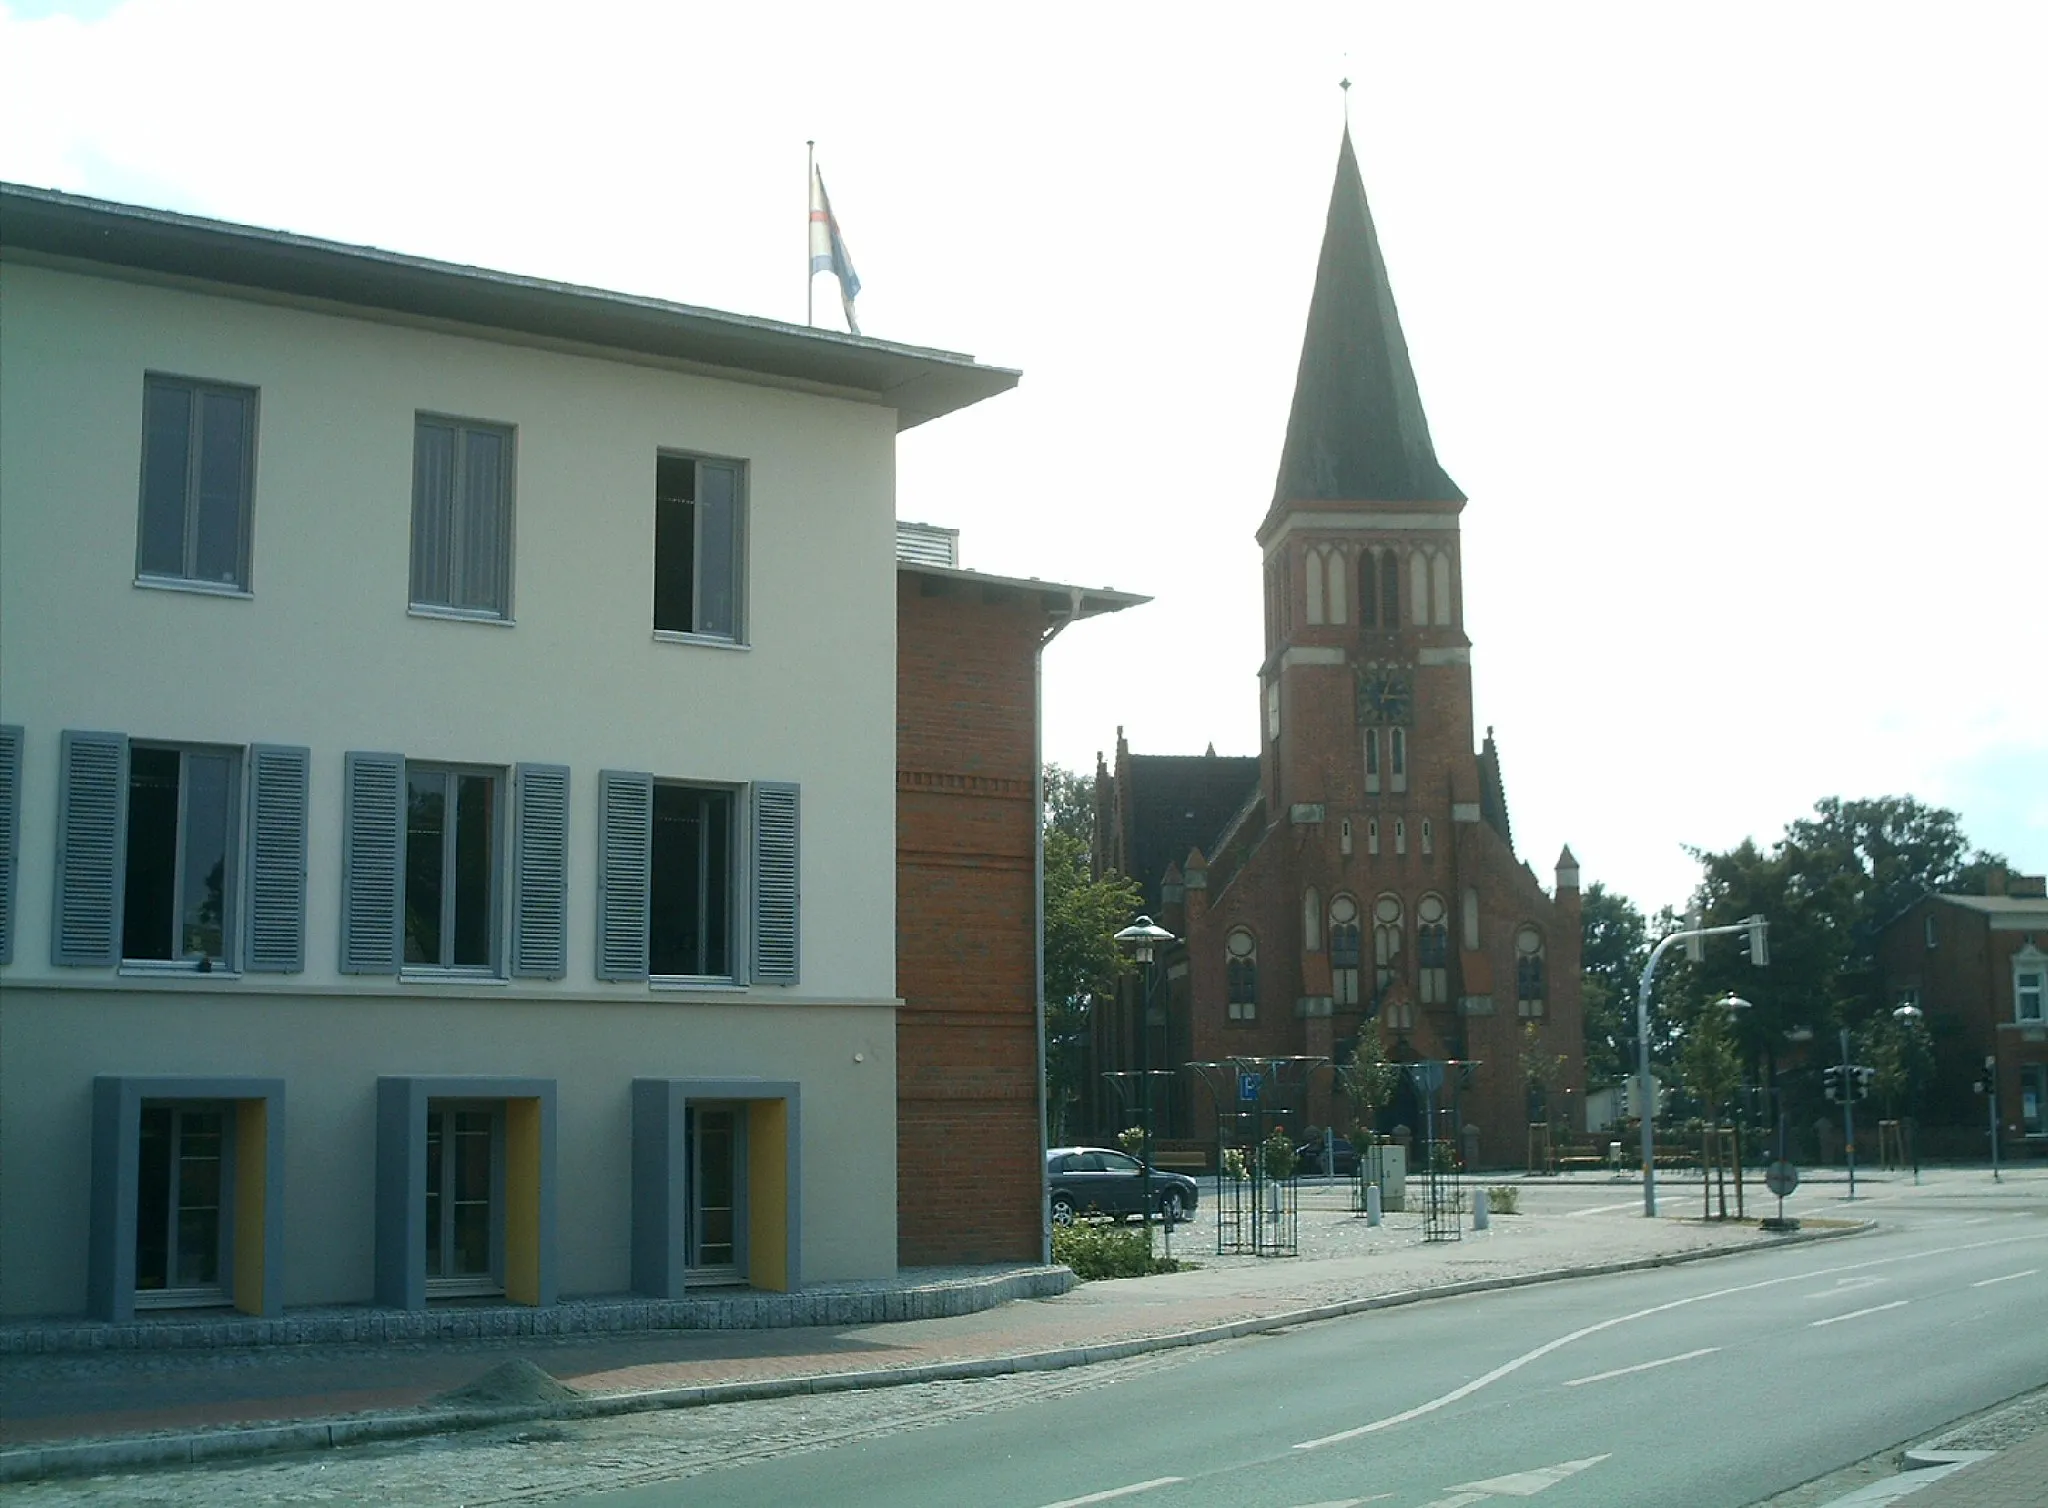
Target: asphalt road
[[1706, 1386]]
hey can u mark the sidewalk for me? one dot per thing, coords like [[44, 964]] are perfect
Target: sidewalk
[[72, 1412]]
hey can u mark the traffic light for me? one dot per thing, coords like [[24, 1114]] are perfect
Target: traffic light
[[1756, 940], [1695, 947], [1831, 1082], [1865, 1078]]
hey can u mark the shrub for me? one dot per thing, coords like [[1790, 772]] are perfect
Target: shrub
[[1277, 1155], [1098, 1250], [1132, 1140], [1233, 1165], [1504, 1199]]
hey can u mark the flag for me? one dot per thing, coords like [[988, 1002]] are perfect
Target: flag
[[828, 249]]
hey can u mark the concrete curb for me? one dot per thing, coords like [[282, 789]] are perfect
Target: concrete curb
[[91, 1457]]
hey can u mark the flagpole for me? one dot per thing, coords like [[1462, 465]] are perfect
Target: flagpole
[[810, 177]]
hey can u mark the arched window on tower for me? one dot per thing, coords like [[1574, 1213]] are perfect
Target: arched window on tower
[[1368, 588], [1401, 835], [1372, 837], [1337, 572], [1428, 837], [1418, 587], [1397, 738], [1432, 950], [1528, 972], [1346, 946], [1241, 975], [1386, 939], [1312, 920], [1440, 589], [1372, 761], [1314, 573], [1390, 589]]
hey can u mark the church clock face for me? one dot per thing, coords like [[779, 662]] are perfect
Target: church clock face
[[1385, 695]]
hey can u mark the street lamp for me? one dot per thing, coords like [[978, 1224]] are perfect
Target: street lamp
[[1142, 939], [1913, 1019]]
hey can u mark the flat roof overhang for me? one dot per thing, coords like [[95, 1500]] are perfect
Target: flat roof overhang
[[1054, 596], [69, 230]]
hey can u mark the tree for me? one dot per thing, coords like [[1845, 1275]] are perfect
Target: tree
[[1366, 1078], [1070, 804], [1541, 1069], [1614, 948], [1709, 1063], [1082, 961]]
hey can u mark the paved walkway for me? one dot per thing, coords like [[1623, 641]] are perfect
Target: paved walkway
[[52, 1399]]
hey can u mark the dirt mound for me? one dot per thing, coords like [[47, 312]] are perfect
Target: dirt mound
[[509, 1382]]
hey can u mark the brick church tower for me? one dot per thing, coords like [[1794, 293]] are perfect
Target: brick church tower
[[1361, 875]]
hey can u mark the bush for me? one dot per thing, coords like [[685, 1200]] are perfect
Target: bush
[[1504, 1199], [1098, 1250]]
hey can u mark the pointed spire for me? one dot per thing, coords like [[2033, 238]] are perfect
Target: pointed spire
[[1357, 432]]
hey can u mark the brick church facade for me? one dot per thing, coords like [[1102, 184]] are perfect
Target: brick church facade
[[1359, 875]]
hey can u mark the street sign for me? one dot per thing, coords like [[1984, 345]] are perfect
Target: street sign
[[1781, 1178], [1248, 1088], [1428, 1076]]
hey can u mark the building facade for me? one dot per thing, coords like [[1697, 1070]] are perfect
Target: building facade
[[1360, 875], [970, 1070], [449, 722], [1977, 967]]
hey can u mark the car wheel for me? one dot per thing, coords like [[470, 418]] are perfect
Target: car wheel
[[1173, 1206], [1062, 1209]]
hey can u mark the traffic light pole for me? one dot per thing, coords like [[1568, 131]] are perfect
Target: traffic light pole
[[1849, 1110], [1755, 926]]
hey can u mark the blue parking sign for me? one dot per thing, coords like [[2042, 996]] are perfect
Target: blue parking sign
[[1248, 1085]]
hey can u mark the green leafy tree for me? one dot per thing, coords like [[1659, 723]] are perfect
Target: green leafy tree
[[1614, 948], [1709, 1062], [1082, 962], [1070, 804], [1541, 1069], [1366, 1078]]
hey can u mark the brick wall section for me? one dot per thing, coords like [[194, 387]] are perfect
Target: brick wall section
[[969, 1164]]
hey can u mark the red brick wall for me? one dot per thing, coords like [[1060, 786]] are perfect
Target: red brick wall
[[969, 1165]]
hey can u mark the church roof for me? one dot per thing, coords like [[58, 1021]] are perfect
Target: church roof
[[1179, 802], [1357, 431]]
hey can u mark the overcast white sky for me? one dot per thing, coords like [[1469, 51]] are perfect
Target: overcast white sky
[[1730, 319]]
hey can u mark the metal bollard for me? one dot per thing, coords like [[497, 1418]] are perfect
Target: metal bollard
[[1479, 1211], [1372, 1204]]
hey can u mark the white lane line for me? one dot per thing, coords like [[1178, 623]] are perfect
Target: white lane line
[[2007, 1278], [1605, 1209], [1347, 1502], [1116, 1492], [1641, 1366], [1836, 1319], [1519, 1362]]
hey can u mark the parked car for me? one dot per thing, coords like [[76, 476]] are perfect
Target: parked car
[[1308, 1157], [1098, 1180]]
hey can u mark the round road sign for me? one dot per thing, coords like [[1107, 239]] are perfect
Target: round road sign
[[1781, 1178]]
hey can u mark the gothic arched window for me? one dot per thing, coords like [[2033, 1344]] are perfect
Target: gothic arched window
[[1390, 590], [1368, 588], [1528, 972], [1432, 949], [1241, 975], [1372, 761], [1337, 572], [1440, 589], [1345, 948], [1312, 920], [1386, 938]]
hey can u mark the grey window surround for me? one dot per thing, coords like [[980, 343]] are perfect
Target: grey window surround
[[173, 492], [11, 739], [464, 517], [460, 615], [194, 588], [660, 1196], [708, 548], [703, 641]]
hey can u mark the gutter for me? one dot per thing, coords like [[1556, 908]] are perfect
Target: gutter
[[1059, 626]]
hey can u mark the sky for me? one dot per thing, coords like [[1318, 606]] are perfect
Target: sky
[[1728, 318]]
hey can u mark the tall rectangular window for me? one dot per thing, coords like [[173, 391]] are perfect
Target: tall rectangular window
[[699, 547], [179, 888], [462, 517], [451, 868], [463, 1228], [2028, 988], [690, 883], [198, 470], [180, 1199], [2034, 1099]]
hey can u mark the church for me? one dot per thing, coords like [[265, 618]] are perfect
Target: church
[[1359, 874]]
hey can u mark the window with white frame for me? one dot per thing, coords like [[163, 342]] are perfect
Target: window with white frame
[[1432, 950], [1529, 983], [182, 1185], [1399, 1015], [464, 1216], [1372, 837], [1241, 975], [690, 887], [462, 517], [1428, 837], [699, 547], [453, 838], [178, 890], [198, 472], [1346, 950], [2030, 985]]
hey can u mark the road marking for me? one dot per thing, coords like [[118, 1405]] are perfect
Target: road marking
[[1857, 1314], [2007, 1278], [1347, 1502], [1517, 1363], [1641, 1366], [1456, 1500], [1116, 1492], [1526, 1484], [1606, 1209]]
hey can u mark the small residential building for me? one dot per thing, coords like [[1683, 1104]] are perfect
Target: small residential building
[[447, 725], [1977, 966], [970, 1073]]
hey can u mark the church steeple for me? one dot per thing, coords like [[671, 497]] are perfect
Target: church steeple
[[1357, 431]]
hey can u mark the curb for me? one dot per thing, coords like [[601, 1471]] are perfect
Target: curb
[[91, 1457]]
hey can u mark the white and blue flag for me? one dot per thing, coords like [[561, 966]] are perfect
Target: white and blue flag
[[828, 249]]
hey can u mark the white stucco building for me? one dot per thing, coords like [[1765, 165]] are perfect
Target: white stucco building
[[447, 777]]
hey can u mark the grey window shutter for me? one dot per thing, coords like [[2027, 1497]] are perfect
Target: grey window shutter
[[540, 871], [372, 856], [777, 888], [92, 848], [10, 835], [625, 856], [279, 780]]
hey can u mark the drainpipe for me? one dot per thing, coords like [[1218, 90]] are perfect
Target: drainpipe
[[1038, 900]]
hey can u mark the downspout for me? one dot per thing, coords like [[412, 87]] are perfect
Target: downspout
[[1038, 901]]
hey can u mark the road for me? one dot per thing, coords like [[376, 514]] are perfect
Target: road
[[1707, 1385]]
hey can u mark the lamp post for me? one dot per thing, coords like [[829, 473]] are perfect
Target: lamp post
[[1914, 1020], [1141, 940]]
